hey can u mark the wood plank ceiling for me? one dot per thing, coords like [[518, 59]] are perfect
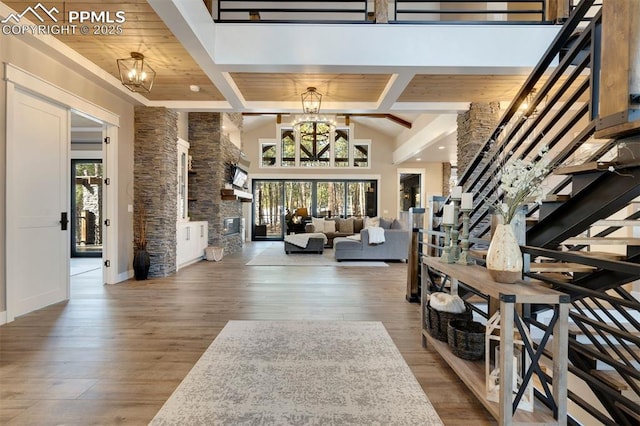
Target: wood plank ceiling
[[144, 32]]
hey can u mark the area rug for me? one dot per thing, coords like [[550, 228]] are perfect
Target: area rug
[[300, 373], [275, 256]]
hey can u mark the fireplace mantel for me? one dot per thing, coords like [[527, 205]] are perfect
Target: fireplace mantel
[[236, 194]]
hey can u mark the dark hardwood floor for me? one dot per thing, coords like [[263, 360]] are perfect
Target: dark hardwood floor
[[114, 354]]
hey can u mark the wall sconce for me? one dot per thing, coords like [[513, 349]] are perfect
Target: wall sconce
[[135, 74]]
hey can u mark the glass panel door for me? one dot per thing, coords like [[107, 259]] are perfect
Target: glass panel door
[[268, 213], [362, 199], [330, 199], [298, 201], [86, 208], [409, 191]]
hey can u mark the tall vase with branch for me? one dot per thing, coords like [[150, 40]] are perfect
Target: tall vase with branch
[[517, 181], [141, 258]]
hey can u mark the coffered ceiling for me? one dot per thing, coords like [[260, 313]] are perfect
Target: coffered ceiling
[[164, 31]]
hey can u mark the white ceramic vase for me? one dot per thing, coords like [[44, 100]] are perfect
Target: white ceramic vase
[[504, 258]]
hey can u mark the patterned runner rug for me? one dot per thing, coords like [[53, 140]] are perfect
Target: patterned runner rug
[[300, 373]]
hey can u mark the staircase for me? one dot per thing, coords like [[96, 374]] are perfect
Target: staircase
[[583, 239]]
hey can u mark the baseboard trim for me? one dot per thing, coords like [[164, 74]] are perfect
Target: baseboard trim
[[121, 277]]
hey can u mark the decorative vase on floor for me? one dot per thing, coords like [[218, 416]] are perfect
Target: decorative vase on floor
[[141, 264], [504, 258]]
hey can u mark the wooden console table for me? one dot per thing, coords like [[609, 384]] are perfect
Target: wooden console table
[[472, 373]]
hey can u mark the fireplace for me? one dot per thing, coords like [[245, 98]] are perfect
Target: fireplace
[[231, 225]]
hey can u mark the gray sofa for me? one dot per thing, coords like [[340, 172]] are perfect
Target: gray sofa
[[395, 247]]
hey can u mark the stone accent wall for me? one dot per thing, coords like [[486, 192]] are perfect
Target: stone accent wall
[[382, 11], [235, 118], [446, 178], [474, 128], [154, 183], [212, 155]]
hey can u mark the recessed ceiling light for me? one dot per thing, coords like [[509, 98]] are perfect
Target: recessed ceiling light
[[418, 159], [441, 147], [194, 88]]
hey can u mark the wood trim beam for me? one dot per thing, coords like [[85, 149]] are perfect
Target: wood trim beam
[[394, 118]]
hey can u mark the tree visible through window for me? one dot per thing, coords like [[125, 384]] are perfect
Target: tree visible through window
[[341, 148], [315, 144], [288, 148]]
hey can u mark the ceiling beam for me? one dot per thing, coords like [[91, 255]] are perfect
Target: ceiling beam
[[394, 118]]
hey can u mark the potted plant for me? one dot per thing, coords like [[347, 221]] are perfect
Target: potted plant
[[141, 259]]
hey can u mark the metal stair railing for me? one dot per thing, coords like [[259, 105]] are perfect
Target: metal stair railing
[[604, 346], [521, 134]]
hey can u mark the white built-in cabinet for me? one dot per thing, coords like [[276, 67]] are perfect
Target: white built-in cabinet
[[192, 237], [192, 240]]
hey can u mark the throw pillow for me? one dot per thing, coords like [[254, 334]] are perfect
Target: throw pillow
[[346, 226], [329, 226], [318, 224], [396, 224], [358, 224], [371, 222], [385, 223], [340, 224]]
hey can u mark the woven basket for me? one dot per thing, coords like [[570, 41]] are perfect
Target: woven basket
[[437, 321], [213, 253], [466, 339]]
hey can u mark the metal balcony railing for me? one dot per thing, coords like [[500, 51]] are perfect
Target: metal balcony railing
[[397, 11]]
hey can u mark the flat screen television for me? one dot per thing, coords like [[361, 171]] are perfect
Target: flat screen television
[[239, 177]]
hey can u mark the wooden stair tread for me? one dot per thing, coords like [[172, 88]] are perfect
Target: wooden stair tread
[[611, 378], [557, 276], [560, 267], [602, 255], [594, 166], [554, 198], [610, 222], [612, 353], [629, 241]]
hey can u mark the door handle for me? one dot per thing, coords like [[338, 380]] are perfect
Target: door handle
[[63, 221]]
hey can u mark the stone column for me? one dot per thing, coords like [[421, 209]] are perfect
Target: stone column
[[381, 11], [213, 153], [155, 171], [446, 178], [474, 128]]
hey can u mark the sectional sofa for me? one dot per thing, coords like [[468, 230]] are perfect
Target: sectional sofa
[[395, 247], [350, 238]]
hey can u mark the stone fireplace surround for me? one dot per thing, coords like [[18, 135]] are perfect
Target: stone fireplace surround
[[155, 176]]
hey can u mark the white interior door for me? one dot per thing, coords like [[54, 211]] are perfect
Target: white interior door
[[38, 138]]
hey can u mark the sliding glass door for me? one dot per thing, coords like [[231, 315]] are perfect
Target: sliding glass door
[[268, 210], [284, 206], [330, 199]]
